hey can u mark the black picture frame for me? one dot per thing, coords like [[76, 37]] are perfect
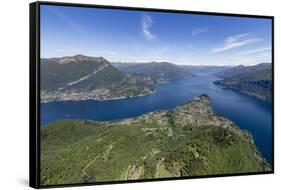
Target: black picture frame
[[34, 90]]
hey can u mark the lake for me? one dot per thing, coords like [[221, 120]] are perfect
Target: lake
[[247, 112]]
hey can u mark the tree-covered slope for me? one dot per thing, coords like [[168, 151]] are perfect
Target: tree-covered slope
[[232, 71], [81, 77], [189, 140], [253, 80]]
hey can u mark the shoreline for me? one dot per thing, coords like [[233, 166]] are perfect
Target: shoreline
[[96, 99], [61, 97]]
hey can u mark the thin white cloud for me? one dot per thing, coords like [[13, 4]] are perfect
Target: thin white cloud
[[235, 41], [163, 49], [76, 27], [234, 38], [254, 51], [147, 23], [198, 31]]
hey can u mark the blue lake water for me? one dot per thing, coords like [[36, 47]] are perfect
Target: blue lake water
[[247, 112]]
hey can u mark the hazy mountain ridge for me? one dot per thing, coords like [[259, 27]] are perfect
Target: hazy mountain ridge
[[240, 69], [204, 69], [189, 140], [253, 80], [81, 77], [160, 72]]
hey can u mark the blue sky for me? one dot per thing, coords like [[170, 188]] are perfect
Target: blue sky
[[137, 36]]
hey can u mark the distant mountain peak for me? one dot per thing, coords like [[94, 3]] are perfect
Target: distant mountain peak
[[79, 58]]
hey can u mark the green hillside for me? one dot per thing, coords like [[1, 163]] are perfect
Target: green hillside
[[232, 71], [189, 140], [81, 77], [253, 80]]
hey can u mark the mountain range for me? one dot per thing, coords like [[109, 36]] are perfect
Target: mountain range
[[82, 77], [252, 80], [160, 72], [204, 69]]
